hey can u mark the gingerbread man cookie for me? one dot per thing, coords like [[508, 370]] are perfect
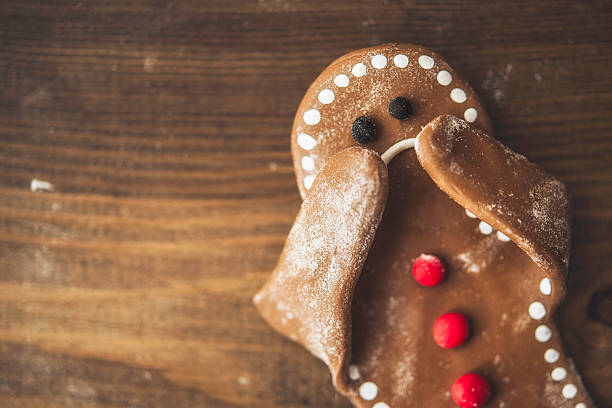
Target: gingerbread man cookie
[[427, 259]]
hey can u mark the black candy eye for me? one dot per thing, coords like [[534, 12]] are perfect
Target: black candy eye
[[400, 108], [364, 129]]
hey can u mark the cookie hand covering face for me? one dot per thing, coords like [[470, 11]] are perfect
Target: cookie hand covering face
[[350, 297]]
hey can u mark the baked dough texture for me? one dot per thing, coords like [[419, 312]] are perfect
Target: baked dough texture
[[343, 286]]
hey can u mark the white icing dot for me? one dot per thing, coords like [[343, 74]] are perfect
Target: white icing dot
[[470, 214], [551, 355], [485, 228], [581, 405], [569, 391], [426, 61], [307, 163], [312, 117], [326, 96], [545, 286], [353, 372], [458, 95], [543, 333], [379, 61], [502, 237], [470, 115], [305, 141], [536, 310], [400, 60], [380, 405], [558, 374], [341, 80], [359, 70], [368, 391], [308, 182], [444, 78]]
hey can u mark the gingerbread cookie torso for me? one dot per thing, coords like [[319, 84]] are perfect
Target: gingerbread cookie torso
[[345, 287]]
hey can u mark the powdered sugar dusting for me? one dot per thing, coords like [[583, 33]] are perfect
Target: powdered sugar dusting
[[323, 255], [403, 378], [521, 324], [452, 130], [539, 215], [479, 257], [546, 200], [456, 168], [545, 213], [320, 254], [470, 264], [552, 396]]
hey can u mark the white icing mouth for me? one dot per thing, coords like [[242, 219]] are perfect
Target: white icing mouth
[[397, 148]]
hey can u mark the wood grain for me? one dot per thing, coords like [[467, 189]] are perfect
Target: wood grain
[[163, 127]]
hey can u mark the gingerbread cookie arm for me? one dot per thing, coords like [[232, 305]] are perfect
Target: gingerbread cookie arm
[[500, 187], [308, 297]]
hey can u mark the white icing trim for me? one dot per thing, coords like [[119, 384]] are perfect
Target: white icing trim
[[312, 117], [444, 78], [470, 214], [353, 372], [308, 163], [395, 149], [569, 391], [305, 141], [379, 61], [458, 95], [401, 60], [359, 69], [502, 237], [342, 81], [308, 182], [551, 355], [537, 311], [543, 333], [558, 374], [485, 228], [326, 96], [470, 115], [368, 390], [545, 286], [426, 61]]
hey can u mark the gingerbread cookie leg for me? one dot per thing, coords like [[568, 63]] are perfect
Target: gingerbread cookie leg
[[308, 298]]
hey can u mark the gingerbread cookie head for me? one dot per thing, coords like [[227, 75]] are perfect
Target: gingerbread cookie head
[[377, 97]]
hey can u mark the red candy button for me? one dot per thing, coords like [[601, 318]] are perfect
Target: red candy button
[[451, 330], [428, 270], [471, 391]]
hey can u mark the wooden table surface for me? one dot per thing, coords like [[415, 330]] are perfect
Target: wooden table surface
[[163, 128]]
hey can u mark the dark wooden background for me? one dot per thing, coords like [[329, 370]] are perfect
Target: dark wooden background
[[164, 129]]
